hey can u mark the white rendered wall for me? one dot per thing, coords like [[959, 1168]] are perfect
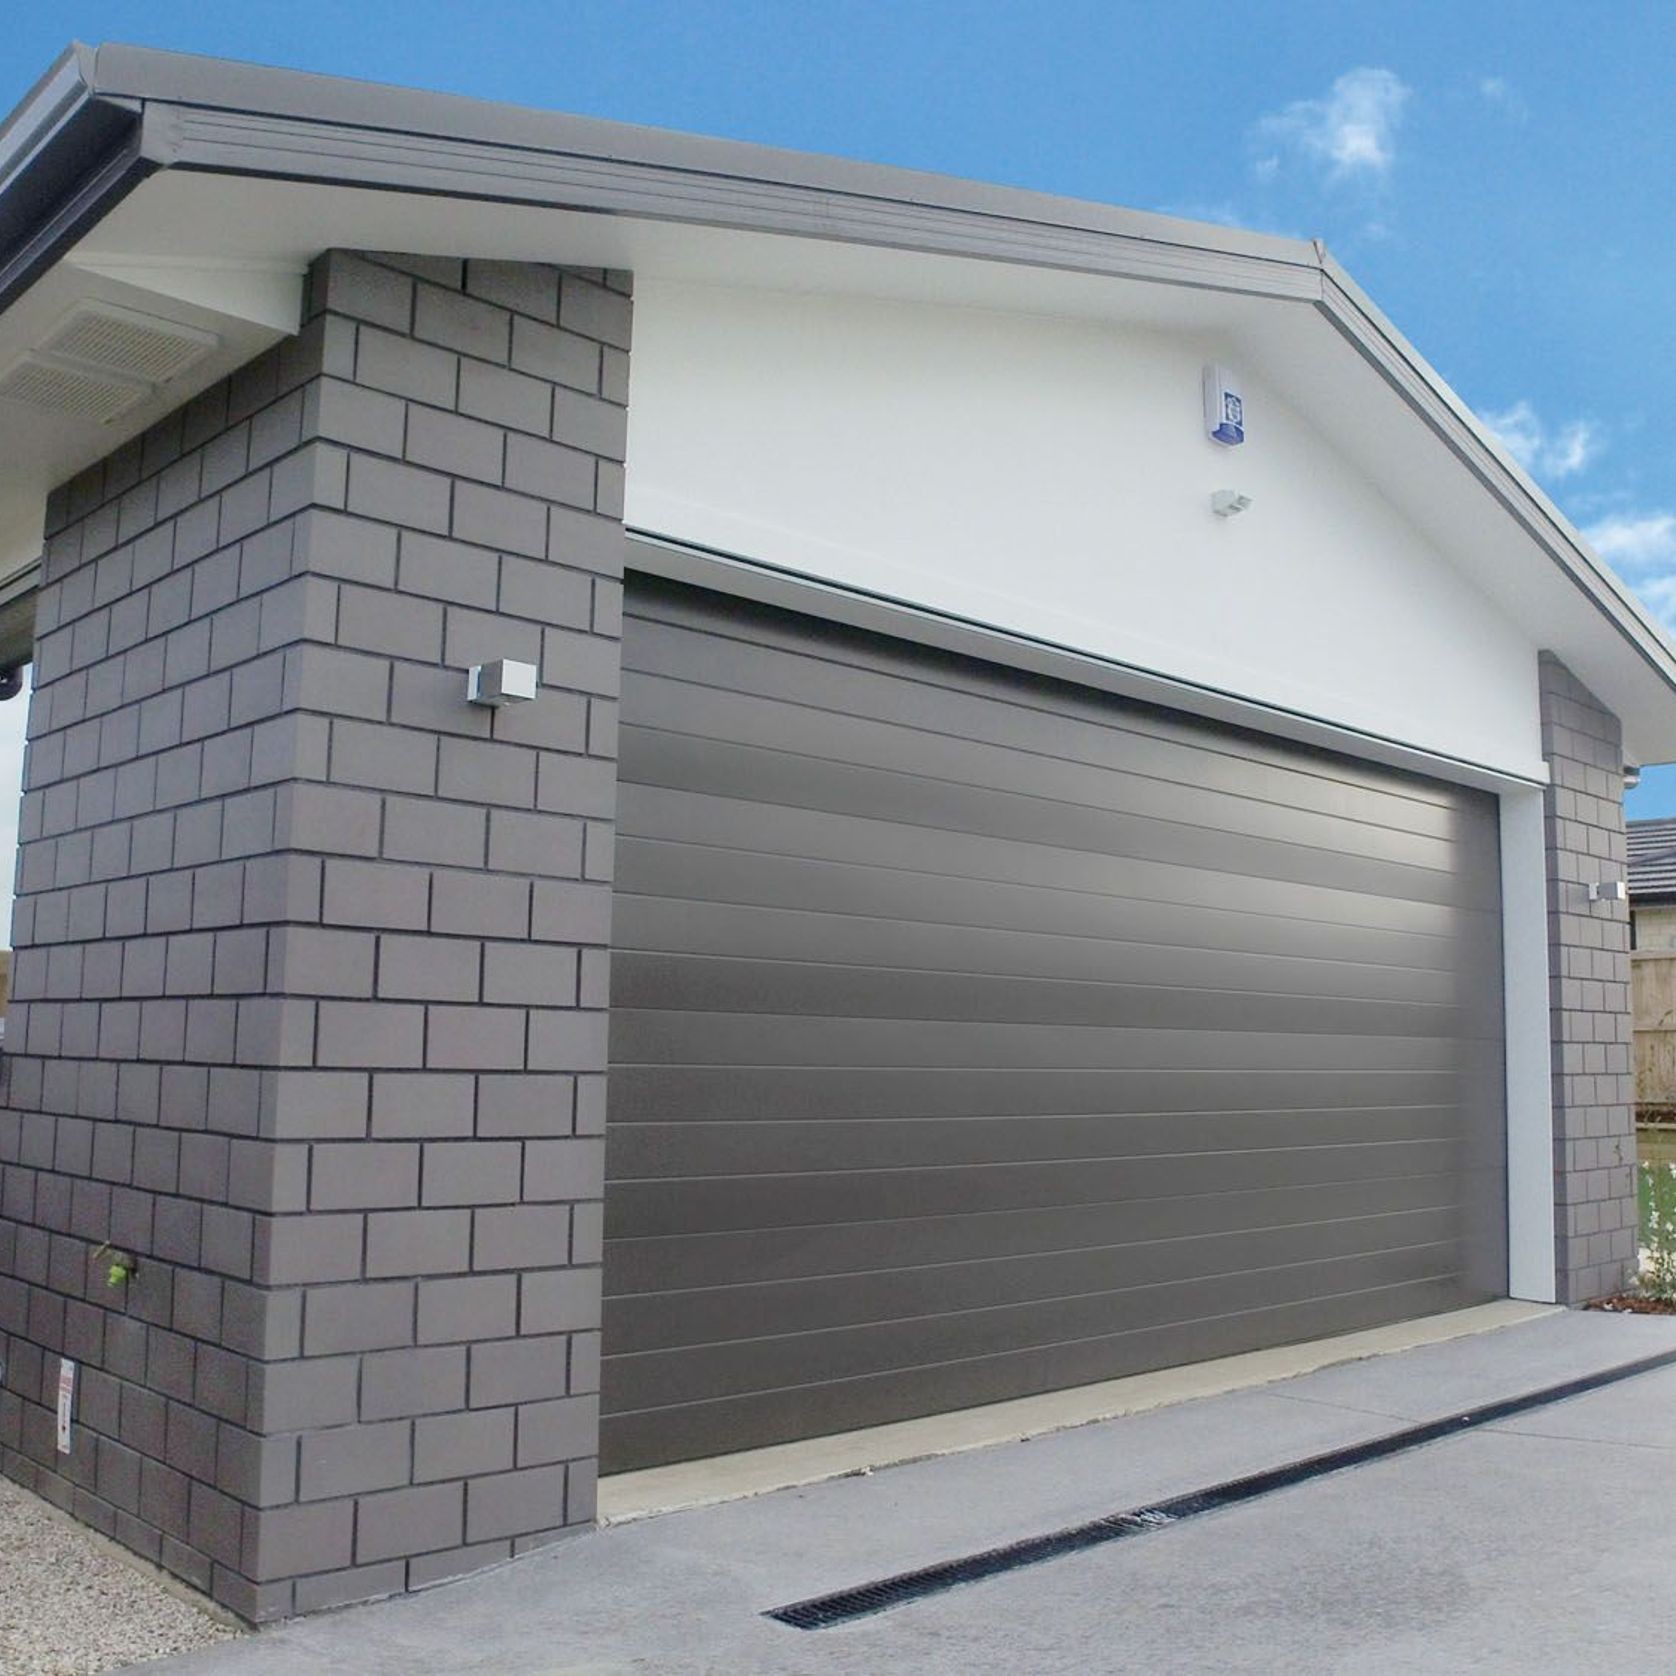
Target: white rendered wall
[[1051, 477]]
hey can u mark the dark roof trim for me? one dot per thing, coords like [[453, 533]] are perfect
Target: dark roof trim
[[134, 109], [399, 128], [67, 156]]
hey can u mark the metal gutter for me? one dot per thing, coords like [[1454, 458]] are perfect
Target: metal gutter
[[189, 137], [67, 156], [98, 122], [423, 122]]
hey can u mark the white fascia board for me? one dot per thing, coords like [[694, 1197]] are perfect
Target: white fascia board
[[249, 121], [263, 294]]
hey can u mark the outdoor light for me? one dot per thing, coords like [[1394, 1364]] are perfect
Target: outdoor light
[[1225, 503], [505, 681], [1609, 890]]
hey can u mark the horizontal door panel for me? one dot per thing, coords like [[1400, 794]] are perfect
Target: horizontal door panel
[[698, 1093], [721, 893], [763, 827], [646, 1037], [717, 940], [697, 1373], [683, 984], [958, 698], [656, 1321], [654, 1206], [718, 1258], [925, 804], [974, 1034], [650, 1151], [689, 714], [651, 1436]]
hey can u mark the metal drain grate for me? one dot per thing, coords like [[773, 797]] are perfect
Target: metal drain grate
[[826, 1611]]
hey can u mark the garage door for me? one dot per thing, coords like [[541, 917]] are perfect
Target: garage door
[[974, 1035]]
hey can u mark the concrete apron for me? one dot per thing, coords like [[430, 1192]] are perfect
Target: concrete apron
[[686, 1593], [754, 1472]]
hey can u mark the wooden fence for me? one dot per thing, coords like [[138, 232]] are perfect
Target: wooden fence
[[1653, 993]]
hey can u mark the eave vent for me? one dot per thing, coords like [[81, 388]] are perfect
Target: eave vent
[[71, 392], [121, 341]]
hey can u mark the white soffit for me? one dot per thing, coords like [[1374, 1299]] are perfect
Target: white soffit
[[210, 241], [97, 351], [261, 293]]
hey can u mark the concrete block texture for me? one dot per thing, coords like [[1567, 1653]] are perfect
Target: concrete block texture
[[1588, 967], [309, 1003]]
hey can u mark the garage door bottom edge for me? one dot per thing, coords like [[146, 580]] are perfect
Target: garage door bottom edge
[[686, 1484]]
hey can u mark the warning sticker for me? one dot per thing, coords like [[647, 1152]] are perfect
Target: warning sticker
[[66, 1400]]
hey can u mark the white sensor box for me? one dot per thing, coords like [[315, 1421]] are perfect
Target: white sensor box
[[1224, 407], [505, 681]]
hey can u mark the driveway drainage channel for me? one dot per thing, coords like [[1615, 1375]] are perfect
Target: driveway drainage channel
[[846, 1605]]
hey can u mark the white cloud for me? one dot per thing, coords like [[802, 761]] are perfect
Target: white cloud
[[1350, 133], [1572, 448], [1554, 454], [1642, 547], [1636, 541]]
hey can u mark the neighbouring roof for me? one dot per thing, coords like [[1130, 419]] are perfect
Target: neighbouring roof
[[129, 174], [1652, 858]]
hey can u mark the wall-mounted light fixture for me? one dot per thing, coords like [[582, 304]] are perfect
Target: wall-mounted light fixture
[[505, 681], [1609, 890], [1228, 503]]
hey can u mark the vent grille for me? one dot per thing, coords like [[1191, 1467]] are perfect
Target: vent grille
[[70, 391], [118, 340]]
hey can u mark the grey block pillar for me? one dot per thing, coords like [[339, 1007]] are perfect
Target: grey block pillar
[[310, 982], [1594, 1090]]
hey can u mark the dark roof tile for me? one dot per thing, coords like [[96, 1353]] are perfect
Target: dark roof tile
[[1652, 857]]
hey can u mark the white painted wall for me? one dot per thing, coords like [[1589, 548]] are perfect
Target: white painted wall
[[1051, 477]]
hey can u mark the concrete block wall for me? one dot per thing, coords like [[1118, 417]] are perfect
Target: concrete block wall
[[310, 983], [1589, 1002]]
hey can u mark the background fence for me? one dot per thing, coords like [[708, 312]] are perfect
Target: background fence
[[1653, 986]]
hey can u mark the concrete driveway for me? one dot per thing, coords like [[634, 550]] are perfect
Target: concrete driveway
[[1546, 1541]]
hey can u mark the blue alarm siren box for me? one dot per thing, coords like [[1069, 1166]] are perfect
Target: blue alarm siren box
[[1224, 407]]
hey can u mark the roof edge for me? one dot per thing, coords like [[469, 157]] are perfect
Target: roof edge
[[137, 108], [67, 155], [148, 75], [1481, 452]]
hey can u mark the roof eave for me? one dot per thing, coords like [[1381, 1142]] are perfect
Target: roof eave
[[68, 154], [1482, 453], [100, 120]]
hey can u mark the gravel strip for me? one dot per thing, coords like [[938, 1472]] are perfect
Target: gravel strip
[[71, 1606]]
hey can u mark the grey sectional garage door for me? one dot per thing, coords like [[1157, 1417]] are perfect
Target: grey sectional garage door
[[974, 1035]]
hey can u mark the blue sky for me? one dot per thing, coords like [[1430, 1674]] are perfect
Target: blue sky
[[1496, 175]]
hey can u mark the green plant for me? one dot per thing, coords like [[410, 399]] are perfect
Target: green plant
[[1655, 1192]]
